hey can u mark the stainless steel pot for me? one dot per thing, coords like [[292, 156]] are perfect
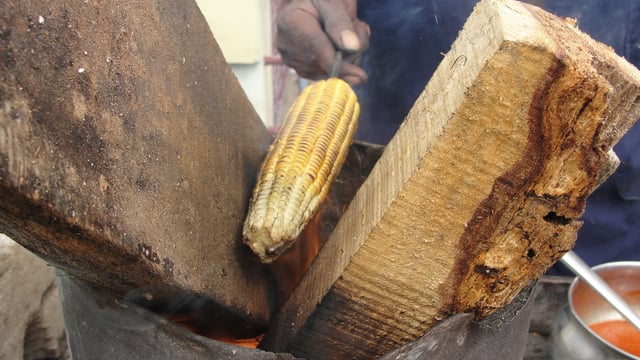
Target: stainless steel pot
[[571, 336]]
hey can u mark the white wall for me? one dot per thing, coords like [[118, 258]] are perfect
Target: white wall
[[243, 31]]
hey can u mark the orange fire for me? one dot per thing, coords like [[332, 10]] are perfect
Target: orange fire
[[187, 320], [289, 268]]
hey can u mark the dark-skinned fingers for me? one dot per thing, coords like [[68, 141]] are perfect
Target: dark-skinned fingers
[[303, 44], [350, 6], [364, 34], [303, 40], [326, 57], [337, 17], [353, 58], [352, 74], [354, 80]]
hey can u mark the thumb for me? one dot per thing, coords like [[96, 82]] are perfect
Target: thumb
[[338, 20]]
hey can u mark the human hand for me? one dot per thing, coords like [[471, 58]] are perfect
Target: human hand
[[310, 32]]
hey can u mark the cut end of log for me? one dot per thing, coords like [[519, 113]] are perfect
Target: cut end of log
[[572, 116]]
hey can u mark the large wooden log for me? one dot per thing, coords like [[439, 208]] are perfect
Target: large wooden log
[[128, 151], [479, 192]]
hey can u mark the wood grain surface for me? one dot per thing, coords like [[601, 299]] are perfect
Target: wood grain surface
[[479, 192], [128, 152]]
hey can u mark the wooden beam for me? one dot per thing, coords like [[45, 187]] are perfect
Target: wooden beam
[[128, 151], [479, 192], [289, 268]]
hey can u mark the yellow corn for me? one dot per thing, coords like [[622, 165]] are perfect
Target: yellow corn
[[301, 164]]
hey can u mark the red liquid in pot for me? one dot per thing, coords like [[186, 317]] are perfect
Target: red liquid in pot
[[619, 333]]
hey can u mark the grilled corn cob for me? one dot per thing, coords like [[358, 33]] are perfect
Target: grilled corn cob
[[303, 161]]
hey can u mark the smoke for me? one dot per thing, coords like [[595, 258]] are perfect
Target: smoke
[[408, 38]]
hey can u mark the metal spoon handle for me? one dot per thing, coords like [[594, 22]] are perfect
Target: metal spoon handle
[[584, 272]]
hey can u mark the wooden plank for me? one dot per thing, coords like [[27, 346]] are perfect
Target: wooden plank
[[128, 151], [503, 334], [479, 192], [291, 266]]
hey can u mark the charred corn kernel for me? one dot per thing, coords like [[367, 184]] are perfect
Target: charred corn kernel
[[303, 161]]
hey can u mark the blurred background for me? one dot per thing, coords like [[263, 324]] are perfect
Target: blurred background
[[249, 50]]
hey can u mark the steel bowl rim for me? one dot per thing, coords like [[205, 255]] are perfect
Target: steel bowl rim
[[576, 280]]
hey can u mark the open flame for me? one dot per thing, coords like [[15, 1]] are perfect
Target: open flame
[[288, 271], [190, 321], [289, 268], [294, 263]]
